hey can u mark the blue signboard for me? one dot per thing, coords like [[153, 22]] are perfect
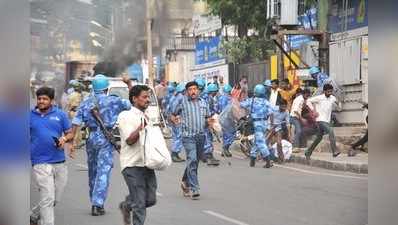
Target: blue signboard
[[296, 41], [350, 18], [208, 51]]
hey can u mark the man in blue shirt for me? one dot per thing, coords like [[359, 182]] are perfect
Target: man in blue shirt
[[207, 96], [50, 129], [193, 114], [281, 121], [99, 148]]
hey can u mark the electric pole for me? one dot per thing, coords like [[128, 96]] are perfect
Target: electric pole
[[149, 42]]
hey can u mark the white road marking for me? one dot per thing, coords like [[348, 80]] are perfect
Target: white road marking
[[82, 166], [321, 173], [220, 216]]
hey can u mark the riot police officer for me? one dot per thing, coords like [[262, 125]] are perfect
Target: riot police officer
[[259, 109], [176, 128], [208, 98], [99, 149], [228, 136]]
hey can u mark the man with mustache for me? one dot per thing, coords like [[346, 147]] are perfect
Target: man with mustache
[[194, 115], [140, 180]]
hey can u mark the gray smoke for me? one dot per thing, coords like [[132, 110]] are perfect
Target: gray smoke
[[129, 44]]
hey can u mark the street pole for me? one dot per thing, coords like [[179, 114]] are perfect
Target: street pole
[[149, 43]]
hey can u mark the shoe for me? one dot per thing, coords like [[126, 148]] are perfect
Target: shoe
[[180, 159], [34, 220], [213, 162], [268, 163], [252, 162], [211, 157], [175, 158], [126, 213], [336, 154], [185, 189], [195, 195], [97, 211]]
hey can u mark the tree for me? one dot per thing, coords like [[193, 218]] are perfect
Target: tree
[[245, 15]]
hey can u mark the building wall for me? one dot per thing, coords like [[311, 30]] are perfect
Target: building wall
[[349, 55], [179, 70]]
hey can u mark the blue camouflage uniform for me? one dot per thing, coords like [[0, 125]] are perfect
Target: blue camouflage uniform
[[208, 148], [228, 136], [261, 109], [166, 100], [175, 128], [99, 149]]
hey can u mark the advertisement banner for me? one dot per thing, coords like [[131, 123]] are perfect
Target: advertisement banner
[[347, 17], [309, 22], [209, 73], [209, 51], [205, 24]]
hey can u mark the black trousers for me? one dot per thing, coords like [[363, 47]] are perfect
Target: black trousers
[[142, 186]]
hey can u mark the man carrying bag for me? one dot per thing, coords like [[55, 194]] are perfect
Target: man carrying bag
[[140, 180]]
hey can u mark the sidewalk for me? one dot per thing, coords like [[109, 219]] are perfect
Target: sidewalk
[[356, 164]]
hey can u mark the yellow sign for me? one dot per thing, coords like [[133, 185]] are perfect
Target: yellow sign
[[274, 67]]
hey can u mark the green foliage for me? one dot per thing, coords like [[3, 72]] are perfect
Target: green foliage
[[245, 15], [247, 49]]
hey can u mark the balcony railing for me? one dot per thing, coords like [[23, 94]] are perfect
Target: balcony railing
[[181, 43]]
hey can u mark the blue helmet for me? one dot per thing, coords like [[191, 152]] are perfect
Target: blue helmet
[[212, 88], [170, 88], [227, 88], [180, 88], [100, 82], [201, 83], [267, 83], [314, 70], [259, 90]]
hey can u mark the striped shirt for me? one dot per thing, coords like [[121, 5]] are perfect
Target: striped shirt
[[193, 115]]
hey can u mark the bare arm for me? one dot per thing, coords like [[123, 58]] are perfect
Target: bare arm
[[127, 81], [135, 135]]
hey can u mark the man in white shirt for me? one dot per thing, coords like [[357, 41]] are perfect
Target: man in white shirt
[[275, 96], [323, 105], [140, 180], [295, 117]]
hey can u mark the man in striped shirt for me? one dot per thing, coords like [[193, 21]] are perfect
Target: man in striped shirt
[[193, 114]]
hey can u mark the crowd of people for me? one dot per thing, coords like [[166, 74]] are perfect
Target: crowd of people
[[192, 110]]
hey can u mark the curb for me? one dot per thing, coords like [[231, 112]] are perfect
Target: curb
[[339, 166]]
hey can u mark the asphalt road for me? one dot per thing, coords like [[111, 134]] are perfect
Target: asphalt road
[[231, 194]]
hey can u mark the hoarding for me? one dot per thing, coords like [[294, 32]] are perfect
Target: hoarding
[[309, 22], [209, 51], [205, 24], [344, 18]]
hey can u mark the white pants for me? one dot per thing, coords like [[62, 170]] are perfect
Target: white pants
[[51, 180]]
